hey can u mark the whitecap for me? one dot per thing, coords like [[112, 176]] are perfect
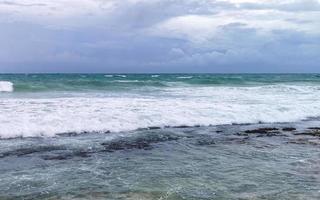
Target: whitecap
[[185, 77], [6, 86], [173, 106], [126, 81]]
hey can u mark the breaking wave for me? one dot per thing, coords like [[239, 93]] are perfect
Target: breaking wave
[[6, 86], [173, 106]]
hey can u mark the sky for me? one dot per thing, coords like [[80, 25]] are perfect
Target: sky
[[171, 36]]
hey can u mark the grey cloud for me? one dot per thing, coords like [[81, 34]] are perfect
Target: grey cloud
[[116, 42], [247, 51], [297, 5], [147, 13], [10, 3]]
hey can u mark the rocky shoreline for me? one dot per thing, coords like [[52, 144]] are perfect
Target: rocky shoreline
[[148, 138], [239, 161]]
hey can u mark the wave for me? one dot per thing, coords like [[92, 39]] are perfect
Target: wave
[[127, 81], [189, 106], [75, 86], [6, 86], [185, 77], [122, 76], [124, 82]]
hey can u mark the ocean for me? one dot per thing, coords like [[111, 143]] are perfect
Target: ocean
[[159, 136]]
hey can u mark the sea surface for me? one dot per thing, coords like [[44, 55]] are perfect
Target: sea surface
[[160, 136]]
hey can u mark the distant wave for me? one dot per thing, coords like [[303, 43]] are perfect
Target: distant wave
[[155, 76], [184, 77], [108, 76], [126, 81], [6, 86], [122, 76]]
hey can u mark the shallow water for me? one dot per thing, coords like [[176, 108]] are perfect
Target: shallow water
[[217, 162]]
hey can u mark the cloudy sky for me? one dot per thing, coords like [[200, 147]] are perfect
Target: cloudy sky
[[160, 36]]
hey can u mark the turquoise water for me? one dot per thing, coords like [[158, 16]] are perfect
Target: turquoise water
[[93, 82]]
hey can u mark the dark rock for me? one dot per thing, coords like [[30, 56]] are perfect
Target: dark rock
[[137, 143], [31, 150], [122, 145], [154, 128], [206, 142], [182, 126], [263, 130], [240, 124], [242, 134], [304, 141], [66, 156], [57, 157], [314, 132], [227, 140], [270, 134], [289, 129], [82, 154], [243, 140], [73, 134]]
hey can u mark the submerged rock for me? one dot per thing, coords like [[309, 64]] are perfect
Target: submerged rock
[[263, 130], [313, 132], [31, 150], [137, 143], [289, 129], [224, 140], [206, 142], [73, 134], [122, 145], [184, 126], [66, 156], [154, 128], [304, 141]]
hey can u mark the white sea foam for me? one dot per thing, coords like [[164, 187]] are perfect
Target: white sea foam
[[108, 76], [185, 77], [173, 106], [6, 86], [126, 81]]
